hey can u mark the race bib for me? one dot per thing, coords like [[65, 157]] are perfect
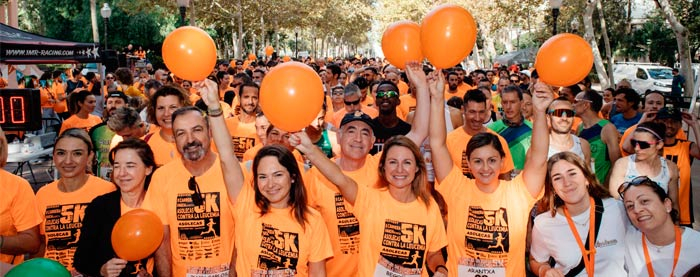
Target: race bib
[[215, 271], [470, 267]]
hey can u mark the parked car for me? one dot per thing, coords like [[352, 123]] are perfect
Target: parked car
[[645, 76]]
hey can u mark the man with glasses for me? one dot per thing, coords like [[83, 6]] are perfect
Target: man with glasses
[[188, 192], [513, 127], [682, 153], [352, 99], [387, 124], [561, 117], [600, 133]]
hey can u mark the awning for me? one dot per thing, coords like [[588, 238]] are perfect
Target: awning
[[20, 47]]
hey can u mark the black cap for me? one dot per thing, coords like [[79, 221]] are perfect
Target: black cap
[[671, 113], [357, 116], [118, 94]]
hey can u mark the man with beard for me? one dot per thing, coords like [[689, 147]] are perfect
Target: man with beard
[[452, 86], [387, 124], [560, 117], [192, 187], [242, 126], [101, 135]]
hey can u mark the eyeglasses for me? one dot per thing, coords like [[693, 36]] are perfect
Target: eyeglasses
[[514, 80], [642, 144], [109, 78], [634, 182], [350, 103], [197, 195], [562, 113], [389, 94], [577, 101]]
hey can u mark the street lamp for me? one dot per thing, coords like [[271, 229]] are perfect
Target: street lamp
[[555, 5], [296, 42], [106, 13], [183, 7], [574, 25]]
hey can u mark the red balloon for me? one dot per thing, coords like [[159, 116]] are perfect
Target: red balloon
[[564, 60], [448, 34], [401, 43], [137, 234], [189, 53], [291, 96]]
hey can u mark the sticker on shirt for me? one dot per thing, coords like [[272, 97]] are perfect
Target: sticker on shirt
[[242, 144], [279, 253], [198, 227], [487, 243], [348, 227], [466, 171], [212, 271], [62, 229], [403, 249]]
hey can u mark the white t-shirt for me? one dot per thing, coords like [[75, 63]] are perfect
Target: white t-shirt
[[551, 237], [662, 261]]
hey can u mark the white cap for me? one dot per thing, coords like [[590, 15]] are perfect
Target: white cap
[[84, 72], [526, 72]]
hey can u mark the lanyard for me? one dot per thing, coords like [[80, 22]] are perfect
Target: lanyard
[[588, 255], [676, 252]]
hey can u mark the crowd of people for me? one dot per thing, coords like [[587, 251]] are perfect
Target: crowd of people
[[413, 172]]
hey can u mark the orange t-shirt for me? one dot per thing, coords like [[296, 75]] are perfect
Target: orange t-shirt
[[369, 101], [396, 237], [457, 141], [18, 210], [275, 244], [403, 88], [461, 90], [163, 151], [408, 104], [201, 237], [679, 135], [242, 134], [57, 91], [338, 116], [343, 226], [63, 214], [46, 95], [76, 122], [486, 231], [249, 154]]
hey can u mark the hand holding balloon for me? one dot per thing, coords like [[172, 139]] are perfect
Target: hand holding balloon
[[113, 267]]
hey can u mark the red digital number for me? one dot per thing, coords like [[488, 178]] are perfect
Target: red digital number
[[17, 110], [2, 110]]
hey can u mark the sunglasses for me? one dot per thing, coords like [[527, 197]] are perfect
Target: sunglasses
[[109, 78], [634, 182], [562, 113], [389, 94], [350, 103], [514, 80], [197, 195], [642, 144]]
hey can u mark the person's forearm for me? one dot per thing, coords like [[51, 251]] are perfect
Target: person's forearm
[[346, 185], [26, 242], [163, 255]]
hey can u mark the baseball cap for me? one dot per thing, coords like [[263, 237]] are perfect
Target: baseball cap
[[357, 116], [118, 94], [671, 113]]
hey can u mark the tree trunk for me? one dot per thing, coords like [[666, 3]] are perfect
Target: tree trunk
[[681, 33], [93, 19], [193, 16], [262, 34], [590, 37], [608, 53]]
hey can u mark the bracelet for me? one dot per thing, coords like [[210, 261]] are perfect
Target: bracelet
[[216, 112], [439, 267]]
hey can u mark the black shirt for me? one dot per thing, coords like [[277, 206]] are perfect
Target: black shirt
[[382, 133]]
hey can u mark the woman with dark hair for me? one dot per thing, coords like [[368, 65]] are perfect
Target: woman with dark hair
[[581, 215], [82, 104], [277, 234], [657, 247], [126, 82], [133, 164], [163, 103], [487, 217], [647, 160], [62, 202]]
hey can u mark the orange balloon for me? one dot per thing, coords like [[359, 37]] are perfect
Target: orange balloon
[[269, 50], [564, 60], [291, 96], [401, 43], [137, 234], [189, 53], [286, 58], [252, 57], [448, 34]]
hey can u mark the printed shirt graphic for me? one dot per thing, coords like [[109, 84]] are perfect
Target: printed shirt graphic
[[101, 136], [63, 215], [201, 237], [457, 141], [396, 237], [486, 231], [518, 138], [343, 226], [243, 135], [275, 244]]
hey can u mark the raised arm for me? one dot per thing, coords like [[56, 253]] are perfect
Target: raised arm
[[419, 126], [692, 121], [442, 162], [233, 175], [346, 185], [535, 167]]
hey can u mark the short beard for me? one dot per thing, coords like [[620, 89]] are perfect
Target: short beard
[[193, 156]]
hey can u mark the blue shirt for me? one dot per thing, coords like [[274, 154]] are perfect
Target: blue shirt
[[621, 123]]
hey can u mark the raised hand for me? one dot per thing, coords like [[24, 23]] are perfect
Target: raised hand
[[209, 91], [416, 75], [436, 84], [689, 118], [543, 97], [301, 141]]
